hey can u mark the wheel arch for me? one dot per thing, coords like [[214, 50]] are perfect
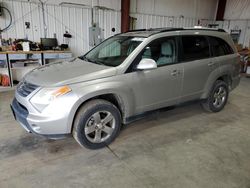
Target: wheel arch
[[224, 77], [113, 98]]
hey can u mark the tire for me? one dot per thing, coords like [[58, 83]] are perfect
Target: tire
[[219, 93], [97, 124]]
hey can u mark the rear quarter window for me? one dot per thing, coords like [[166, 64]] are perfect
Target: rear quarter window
[[220, 47], [195, 48]]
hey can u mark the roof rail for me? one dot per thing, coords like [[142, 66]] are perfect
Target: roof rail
[[221, 30], [160, 29], [168, 29], [205, 29], [135, 30], [172, 29]]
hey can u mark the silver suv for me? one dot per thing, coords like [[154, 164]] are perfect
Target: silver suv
[[124, 77]]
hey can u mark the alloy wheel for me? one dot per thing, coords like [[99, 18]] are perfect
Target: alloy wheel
[[100, 127], [219, 97]]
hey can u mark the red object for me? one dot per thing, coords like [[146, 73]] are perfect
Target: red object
[[125, 21], [221, 10], [5, 81]]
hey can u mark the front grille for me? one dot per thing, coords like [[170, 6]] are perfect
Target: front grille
[[20, 113], [24, 88], [20, 108]]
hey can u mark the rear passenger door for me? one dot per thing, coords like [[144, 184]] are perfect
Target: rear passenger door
[[197, 65]]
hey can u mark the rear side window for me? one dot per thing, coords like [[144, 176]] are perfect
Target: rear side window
[[195, 48], [219, 47]]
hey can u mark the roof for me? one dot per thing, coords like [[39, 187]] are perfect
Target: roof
[[153, 31]]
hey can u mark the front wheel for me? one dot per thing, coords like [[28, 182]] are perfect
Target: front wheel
[[97, 124], [217, 98]]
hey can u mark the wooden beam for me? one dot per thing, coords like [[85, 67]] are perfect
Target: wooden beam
[[125, 8], [221, 10]]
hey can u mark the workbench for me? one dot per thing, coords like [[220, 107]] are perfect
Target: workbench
[[41, 57]]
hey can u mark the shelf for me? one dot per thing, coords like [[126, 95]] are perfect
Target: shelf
[[8, 88], [31, 59], [4, 71], [26, 67]]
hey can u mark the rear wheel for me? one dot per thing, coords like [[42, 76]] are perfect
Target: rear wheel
[[217, 98], [97, 124]]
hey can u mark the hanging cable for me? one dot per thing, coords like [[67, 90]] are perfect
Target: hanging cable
[[6, 28]]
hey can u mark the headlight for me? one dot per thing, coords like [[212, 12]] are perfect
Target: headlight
[[46, 95]]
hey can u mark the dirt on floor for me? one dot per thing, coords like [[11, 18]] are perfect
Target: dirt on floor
[[181, 147]]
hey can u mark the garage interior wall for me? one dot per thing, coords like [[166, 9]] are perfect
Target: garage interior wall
[[179, 13], [172, 13], [77, 19], [59, 19], [147, 13], [237, 16]]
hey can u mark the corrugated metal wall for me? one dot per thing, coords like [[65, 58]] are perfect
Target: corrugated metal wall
[[243, 25], [76, 20], [187, 8], [237, 9], [155, 21]]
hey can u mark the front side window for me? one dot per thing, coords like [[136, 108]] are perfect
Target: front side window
[[195, 48], [219, 47], [113, 51], [162, 50]]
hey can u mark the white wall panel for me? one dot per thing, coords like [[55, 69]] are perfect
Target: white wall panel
[[59, 19], [188, 8], [113, 4], [237, 9], [243, 25], [154, 21]]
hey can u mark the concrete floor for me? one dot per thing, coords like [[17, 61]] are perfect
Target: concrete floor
[[184, 147]]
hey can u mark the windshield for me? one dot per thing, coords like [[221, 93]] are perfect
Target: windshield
[[113, 51]]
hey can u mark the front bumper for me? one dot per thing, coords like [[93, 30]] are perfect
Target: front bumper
[[20, 114], [54, 122]]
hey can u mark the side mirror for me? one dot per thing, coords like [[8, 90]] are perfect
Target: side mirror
[[147, 64]]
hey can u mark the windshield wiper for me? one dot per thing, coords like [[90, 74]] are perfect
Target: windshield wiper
[[84, 58], [99, 63], [90, 60]]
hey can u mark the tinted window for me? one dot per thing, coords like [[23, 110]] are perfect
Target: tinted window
[[163, 51], [195, 47], [219, 47]]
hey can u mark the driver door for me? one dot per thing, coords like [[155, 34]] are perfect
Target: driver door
[[158, 87]]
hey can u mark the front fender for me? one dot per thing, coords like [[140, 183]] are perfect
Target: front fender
[[123, 93]]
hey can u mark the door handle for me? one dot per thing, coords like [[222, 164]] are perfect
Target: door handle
[[211, 64], [174, 72]]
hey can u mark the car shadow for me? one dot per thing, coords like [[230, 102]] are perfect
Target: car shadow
[[166, 117], [185, 121]]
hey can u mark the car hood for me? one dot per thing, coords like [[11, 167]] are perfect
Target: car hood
[[68, 72]]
